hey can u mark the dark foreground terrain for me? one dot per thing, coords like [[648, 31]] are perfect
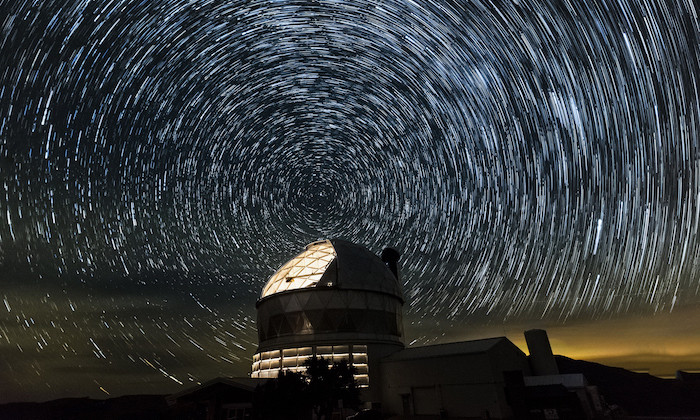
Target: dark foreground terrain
[[638, 394], [131, 407]]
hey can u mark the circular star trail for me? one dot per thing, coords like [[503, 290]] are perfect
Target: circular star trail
[[159, 160]]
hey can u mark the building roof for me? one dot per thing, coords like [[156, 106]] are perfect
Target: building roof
[[242, 383], [447, 349], [334, 263]]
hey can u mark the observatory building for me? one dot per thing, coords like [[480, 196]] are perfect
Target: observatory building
[[335, 300], [340, 301]]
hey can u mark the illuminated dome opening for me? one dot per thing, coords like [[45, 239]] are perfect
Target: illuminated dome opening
[[304, 270]]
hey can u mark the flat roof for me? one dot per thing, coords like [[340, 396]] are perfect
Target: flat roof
[[446, 349]]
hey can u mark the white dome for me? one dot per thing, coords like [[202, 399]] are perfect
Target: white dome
[[334, 263]]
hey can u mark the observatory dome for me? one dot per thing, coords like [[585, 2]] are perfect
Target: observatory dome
[[334, 263], [337, 300]]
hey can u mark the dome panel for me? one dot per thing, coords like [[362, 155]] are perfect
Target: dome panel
[[360, 269], [304, 270]]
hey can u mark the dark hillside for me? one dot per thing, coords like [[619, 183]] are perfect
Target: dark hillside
[[637, 393]]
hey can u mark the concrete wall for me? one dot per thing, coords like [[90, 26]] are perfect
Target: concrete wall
[[464, 385]]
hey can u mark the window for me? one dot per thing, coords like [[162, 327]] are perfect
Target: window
[[268, 364], [237, 413]]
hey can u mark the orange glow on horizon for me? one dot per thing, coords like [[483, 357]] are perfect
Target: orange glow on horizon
[[659, 344]]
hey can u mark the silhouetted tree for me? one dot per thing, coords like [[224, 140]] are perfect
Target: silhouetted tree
[[283, 398], [293, 396], [344, 385], [329, 384]]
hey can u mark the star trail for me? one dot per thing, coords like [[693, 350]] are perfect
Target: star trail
[[533, 162]]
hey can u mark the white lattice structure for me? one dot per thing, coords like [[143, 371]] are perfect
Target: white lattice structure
[[304, 270]]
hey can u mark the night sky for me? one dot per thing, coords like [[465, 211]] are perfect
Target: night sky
[[537, 163]]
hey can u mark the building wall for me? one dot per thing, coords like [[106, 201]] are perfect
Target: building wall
[[464, 385], [296, 324], [506, 356], [461, 383], [308, 316]]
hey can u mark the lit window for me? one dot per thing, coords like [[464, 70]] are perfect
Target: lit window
[[238, 413], [269, 364]]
